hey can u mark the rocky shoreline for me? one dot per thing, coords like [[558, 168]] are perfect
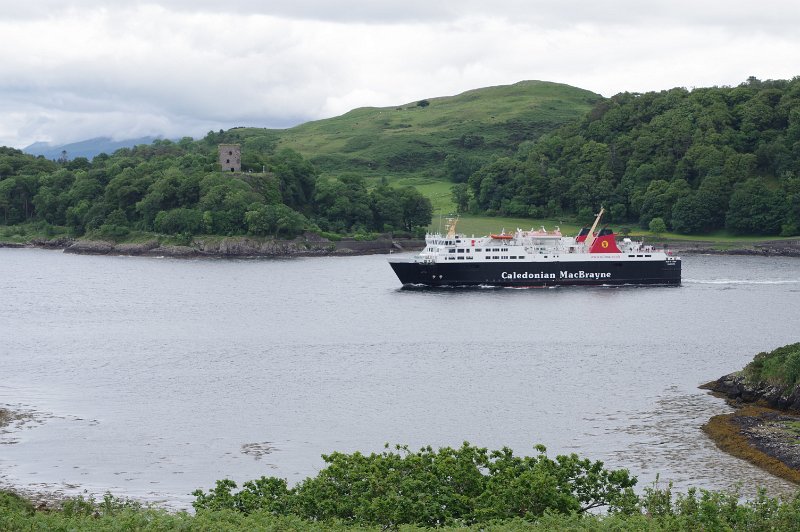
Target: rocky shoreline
[[777, 248], [311, 244], [765, 428], [308, 245]]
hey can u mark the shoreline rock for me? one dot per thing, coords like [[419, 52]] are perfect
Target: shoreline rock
[[779, 248], [736, 389], [764, 429], [309, 245]]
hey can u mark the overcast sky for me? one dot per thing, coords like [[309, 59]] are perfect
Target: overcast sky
[[72, 70]]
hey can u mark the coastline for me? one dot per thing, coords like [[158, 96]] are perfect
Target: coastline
[[309, 245], [770, 248], [764, 429], [312, 245]]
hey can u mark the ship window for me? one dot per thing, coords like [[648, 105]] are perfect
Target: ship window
[[504, 249], [648, 255], [478, 250], [638, 255], [461, 251], [631, 256], [460, 258], [495, 257], [469, 258], [451, 251]]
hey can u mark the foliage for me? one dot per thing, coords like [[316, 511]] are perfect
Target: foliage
[[779, 367], [657, 509], [701, 160], [657, 226], [430, 487], [176, 190]]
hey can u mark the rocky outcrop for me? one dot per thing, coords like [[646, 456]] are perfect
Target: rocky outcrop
[[246, 247], [136, 249], [90, 247], [777, 248], [763, 429], [738, 390]]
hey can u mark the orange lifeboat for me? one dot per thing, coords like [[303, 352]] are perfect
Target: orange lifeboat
[[502, 236]]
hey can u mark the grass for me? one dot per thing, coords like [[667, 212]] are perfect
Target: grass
[[412, 141]]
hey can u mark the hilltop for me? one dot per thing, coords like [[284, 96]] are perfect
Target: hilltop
[[416, 138]]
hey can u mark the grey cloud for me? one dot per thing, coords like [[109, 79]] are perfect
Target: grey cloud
[[769, 15], [94, 68]]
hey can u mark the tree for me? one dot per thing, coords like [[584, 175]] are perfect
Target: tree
[[755, 209], [460, 194], [387, 211], [6, 188], [658, 227], [177, 221], [417, 209], [274, 219]]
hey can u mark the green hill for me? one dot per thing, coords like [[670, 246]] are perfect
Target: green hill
[[415, 139]]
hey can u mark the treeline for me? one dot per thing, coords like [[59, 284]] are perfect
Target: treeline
[[701, 160], [177, 188]]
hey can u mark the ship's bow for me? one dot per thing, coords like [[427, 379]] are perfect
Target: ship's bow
[[408, 271]]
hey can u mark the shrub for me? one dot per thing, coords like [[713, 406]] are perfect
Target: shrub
[[434, 488]]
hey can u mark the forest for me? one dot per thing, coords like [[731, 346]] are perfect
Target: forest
[[176, 188], [701, 160]]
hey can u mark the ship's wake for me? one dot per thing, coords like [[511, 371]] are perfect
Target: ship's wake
[[742, 281]]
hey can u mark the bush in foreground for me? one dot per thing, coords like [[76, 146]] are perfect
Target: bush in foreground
[[468, 488], [450, 486]]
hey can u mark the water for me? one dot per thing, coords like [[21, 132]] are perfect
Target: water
[[153, 377]]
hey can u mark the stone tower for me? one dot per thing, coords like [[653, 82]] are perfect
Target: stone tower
[[230, 157]]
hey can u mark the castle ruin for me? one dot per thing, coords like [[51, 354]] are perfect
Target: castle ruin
[[230, 157]]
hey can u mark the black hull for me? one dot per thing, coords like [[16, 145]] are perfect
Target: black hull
[[522, 274]]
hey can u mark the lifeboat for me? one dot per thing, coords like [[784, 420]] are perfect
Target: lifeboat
[[502, 236]]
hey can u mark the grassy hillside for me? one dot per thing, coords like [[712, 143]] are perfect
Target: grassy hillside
[[412, 140]]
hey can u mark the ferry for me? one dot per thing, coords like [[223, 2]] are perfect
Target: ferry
[[537, 258]]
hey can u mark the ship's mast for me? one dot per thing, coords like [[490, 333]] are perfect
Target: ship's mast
[[590, 236], [451, 227]]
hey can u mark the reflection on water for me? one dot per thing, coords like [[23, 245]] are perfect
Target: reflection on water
[[151, 378]]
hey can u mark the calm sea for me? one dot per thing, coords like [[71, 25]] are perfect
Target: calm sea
[[153, 377]]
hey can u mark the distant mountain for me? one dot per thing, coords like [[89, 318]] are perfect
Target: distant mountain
[[84, 148]]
